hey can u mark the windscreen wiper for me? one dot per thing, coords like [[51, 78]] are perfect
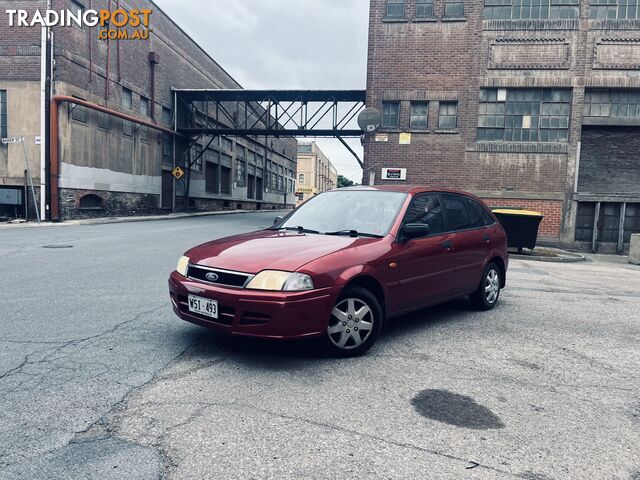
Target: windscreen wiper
[[299, 229], [353, 233]]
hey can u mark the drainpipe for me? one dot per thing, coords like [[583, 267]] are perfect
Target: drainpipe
[[54, 171]]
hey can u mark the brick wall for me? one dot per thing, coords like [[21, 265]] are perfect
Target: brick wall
[[551, 209], [451, 59], [19, 47]]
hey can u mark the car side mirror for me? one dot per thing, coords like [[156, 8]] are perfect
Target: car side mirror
[[415, 230], [277, 219]]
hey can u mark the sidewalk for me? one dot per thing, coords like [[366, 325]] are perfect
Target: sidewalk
[[147, 218]]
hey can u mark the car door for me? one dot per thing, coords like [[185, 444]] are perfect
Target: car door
[[470, 247], [425, 265]]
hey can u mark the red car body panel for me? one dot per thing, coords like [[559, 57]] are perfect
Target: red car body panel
[[411, 275]]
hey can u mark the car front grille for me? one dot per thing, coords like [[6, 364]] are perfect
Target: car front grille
[[223, 278]]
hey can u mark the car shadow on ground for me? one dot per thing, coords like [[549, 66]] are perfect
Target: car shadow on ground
[[287, 355]]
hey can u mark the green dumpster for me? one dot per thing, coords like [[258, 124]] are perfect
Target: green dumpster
[[521, 226]]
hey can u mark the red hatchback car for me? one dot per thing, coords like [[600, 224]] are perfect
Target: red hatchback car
[[341, 264]]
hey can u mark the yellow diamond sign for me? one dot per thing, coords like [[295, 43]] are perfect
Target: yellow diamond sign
[[178, 173]]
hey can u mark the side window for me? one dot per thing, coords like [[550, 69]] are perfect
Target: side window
[[426, 208], [456, 212]]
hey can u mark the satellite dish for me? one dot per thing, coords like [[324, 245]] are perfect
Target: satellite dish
[[369, 120]]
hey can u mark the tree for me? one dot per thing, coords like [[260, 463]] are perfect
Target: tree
[[344, 182]]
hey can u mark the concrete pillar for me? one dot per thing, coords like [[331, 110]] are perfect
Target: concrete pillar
[[634, 250]]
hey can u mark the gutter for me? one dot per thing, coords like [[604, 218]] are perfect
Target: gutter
[[54, 169]]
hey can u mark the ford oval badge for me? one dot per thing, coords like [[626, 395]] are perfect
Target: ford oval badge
[[212, 277]]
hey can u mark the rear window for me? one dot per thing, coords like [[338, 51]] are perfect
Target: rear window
[[479, 215]]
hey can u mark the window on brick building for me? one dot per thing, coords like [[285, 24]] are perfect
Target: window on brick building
[[167, 118], [78, 112], [3, 113], [424, 8], [391, 114], [144, 110], [419, 115], [104, 121], [227, 144], [127, 102], [524, 114], [166, 142], [597, 103], [614, 9], [127, 98], [75, 8], [454, 8], [448, 116], [531, 9], [396, 8], [241, 173], [196, 158], [612, 103]]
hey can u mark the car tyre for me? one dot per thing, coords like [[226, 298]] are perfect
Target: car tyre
[[488, 292], [355, 323]]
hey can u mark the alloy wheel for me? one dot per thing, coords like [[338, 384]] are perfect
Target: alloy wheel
[[351, 323], [492, 286]]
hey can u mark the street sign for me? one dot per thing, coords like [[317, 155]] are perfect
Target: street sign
[[178, 173], [12, 140]]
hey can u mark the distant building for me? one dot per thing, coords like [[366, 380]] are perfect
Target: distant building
[[315, 172], [527, 104], [111, 166]]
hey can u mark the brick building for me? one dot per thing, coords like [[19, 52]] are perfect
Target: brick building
[[110, 166], [529, 104], [316, 173]]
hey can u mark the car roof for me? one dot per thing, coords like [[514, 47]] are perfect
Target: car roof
[[413, 189]]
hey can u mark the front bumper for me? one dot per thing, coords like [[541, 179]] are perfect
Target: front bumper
[[278, 315]]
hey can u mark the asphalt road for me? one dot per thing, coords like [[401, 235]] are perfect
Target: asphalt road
[[98, 379]]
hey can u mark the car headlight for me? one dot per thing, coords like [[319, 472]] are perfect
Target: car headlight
[[183, 264], [275, 280]]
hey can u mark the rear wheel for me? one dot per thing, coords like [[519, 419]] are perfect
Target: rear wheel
[[488, 293], [355, 323]]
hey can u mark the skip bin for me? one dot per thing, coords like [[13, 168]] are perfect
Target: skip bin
[[521, 226]]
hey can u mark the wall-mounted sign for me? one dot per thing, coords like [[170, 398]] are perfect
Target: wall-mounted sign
[[10, 196], [382, 137], [405, 139], [38, 140], [12, 140], [394, 173]]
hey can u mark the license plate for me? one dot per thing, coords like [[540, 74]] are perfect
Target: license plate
[[203, 306]]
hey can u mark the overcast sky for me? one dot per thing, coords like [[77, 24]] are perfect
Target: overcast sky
[[285, 44]]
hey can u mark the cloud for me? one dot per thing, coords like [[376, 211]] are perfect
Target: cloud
[[284, 44]]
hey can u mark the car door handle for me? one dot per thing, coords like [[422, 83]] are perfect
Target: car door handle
[[447, 244], [486, 239]]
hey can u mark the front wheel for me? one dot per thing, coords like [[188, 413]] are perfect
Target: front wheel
[[488, 293], [355, 323]]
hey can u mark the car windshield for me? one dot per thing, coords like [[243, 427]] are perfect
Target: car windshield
[[348, 212]]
